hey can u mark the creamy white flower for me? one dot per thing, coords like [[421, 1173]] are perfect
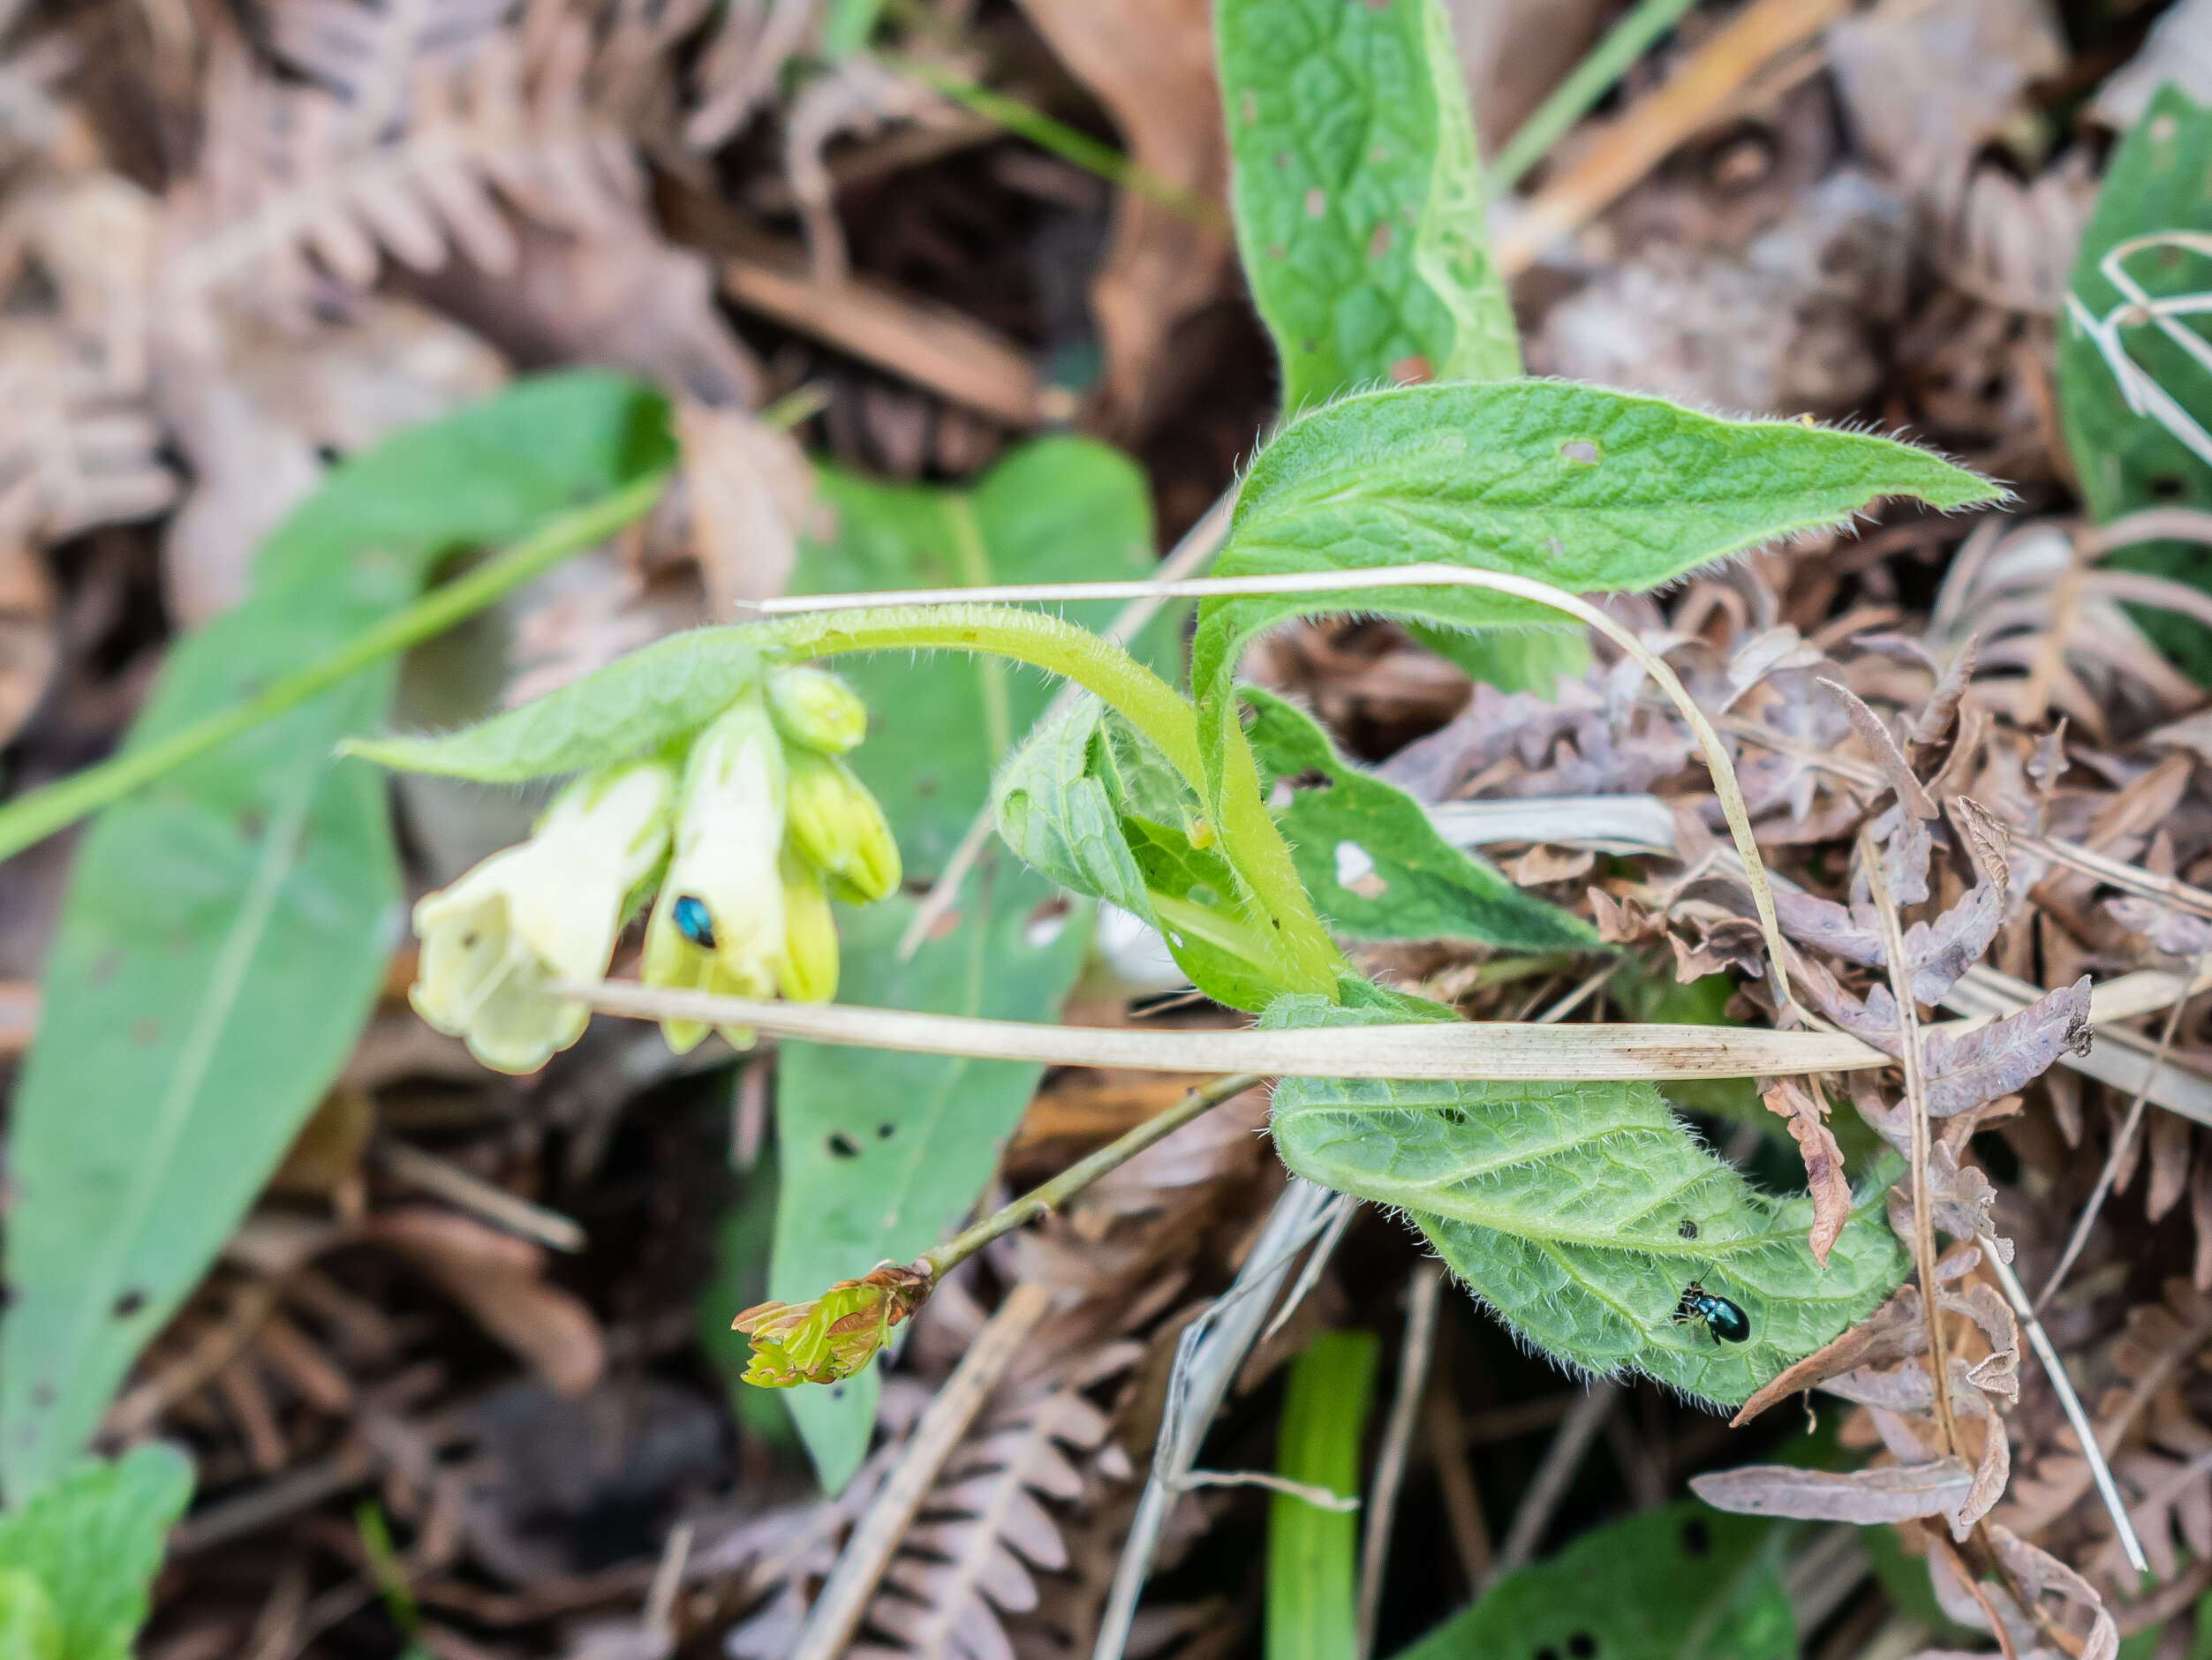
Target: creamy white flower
[[719, 923], [548, 910], [810, 935]]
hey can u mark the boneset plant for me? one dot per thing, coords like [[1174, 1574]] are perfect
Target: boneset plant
[[1578, 1207]]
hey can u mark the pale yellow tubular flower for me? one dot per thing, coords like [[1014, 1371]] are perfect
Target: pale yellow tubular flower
[[837, 825], [813, 707], [495, 942], [719, 924], [810, 935]]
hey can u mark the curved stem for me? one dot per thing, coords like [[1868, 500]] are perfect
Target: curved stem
[[1300, 952]]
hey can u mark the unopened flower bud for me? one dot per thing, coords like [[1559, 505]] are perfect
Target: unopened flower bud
[[719, 923], [837, 825], [810, 935], [495, 942], [834, 1336], [813, 707]]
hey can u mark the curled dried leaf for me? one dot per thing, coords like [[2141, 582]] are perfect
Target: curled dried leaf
[[1863, 1498], [1824, 1178]]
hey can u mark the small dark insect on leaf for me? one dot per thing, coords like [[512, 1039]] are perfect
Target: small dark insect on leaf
[[1722, 1318]]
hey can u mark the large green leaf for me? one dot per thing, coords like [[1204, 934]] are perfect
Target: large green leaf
[[2160, 178], [225, 930], [1582, 1212], [1586, 489], [1056, 510], [91, 1544], [1358, 197], [1680, 1583], [1312, 1551], [1372, 862]]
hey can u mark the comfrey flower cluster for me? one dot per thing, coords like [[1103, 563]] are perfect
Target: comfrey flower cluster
[[746, 834]]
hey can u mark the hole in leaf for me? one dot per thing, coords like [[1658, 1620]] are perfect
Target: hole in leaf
[[885, 1132], [1047, 921], [843, 1146], [1583, 450], [2166, 486], [1356, 871], [1688, 1230], [1697, 1538], [1582, 1645], [1454, 1116], [1547, 1653], [128, 1303]]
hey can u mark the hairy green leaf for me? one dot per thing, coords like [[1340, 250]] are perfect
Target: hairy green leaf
[[1582, 1212], [1058, 510], [29, 1628], [1088, 804], [226, 929], [1312, 1552], [1684, 1582], [653, 698], [1374, 864], [2160, 178], [1586, 489], [1357, 198], [92, 1542]]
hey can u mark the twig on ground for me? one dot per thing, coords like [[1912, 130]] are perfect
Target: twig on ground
[[2122, 1140], [1916, 1099], [1548, 1486], [2062, 1386], [479, 1197], [1422, 1298], [1448, 1443]]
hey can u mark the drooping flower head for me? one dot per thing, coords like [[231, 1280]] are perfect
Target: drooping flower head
[[495, 942]]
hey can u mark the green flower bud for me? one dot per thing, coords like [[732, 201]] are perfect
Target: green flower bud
[[810, 935], [718, 926], [813, 707], [837, 825], [495, 941]]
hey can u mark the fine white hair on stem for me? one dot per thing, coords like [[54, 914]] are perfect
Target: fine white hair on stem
[[1414, 576]]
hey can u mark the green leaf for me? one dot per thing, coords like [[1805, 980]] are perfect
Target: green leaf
[[1581, 1211], [92, 1541], [1357, 198], [1680, 1583], [1586, 489], [1512, 660], [1058, 510], [1312, 1554], [226, 929], [880, 1154], [29, 1628], [1407, 882], [2160, 178], [636, 705], [1091, 806]]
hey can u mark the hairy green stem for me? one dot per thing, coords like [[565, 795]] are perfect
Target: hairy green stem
[[1300, 952], [31, 818], [1083, 1173]]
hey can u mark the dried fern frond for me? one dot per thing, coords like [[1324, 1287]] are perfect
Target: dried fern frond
[[288, 196], [372, 53], [737, 72], [83, 444], [967, 1559]]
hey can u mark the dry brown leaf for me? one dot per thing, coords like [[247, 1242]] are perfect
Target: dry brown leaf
[[1893, 1331], [498, 1279], [737, 72], [1542, 864], [1886, 1493], [1824, 1177], [1151, 64], [30, 650], [749, 492]]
